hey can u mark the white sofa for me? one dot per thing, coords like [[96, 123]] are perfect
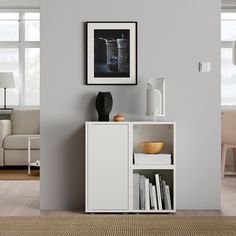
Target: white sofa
[[14, 136]]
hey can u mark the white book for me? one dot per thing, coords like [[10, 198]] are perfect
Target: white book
[[151, 197], [152, 163], [147, 197], [146, 162], [136, 191], [154, 197], [168, 197], [142, 159], [144, 155], [141, 192], [152, 159], [158, 190]]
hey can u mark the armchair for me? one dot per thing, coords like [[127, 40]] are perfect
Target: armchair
[[14, 135]]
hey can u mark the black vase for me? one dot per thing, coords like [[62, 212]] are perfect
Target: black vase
[[104, 104]]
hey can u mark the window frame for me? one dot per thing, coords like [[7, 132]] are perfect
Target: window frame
[[21, 45], [227, 44]]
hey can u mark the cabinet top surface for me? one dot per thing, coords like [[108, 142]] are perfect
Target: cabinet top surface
[[131, 122]]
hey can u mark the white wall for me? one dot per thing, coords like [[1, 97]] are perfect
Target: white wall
[[173, 36], [19, 3]]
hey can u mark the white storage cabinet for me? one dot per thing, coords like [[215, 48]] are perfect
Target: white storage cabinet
[[110, 147]]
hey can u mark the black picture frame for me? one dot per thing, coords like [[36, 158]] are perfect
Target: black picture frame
[[111, 53]]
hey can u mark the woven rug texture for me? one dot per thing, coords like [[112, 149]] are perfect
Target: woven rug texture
[[114, 225]]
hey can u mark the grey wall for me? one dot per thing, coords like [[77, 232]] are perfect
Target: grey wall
[[173, 36], [19, 3]]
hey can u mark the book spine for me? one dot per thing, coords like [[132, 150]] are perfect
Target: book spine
[[147, 197], [143, 155], [158, 190], [142, 192], [168, 197], [136, 191], [152, 159], [137, 162], [154, 197], [161, 187], [151, 197], [165, 195]]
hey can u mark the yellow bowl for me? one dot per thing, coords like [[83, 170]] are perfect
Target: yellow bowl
[[152, 147]]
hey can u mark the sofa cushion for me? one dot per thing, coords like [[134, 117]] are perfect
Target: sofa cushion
[[25, 121], [20, 142], [20, 157]]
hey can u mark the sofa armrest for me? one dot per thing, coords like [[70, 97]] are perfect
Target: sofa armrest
[[5, 130]]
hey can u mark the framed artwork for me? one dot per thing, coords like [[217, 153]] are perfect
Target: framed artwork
[[111, 53]]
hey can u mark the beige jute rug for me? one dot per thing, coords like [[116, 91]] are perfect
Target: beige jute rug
[[114, 225]]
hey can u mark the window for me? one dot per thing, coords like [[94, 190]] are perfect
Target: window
[[20, 54], [228, 70]]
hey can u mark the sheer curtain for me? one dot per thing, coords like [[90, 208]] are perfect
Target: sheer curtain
[[20, 54], [228, 70]]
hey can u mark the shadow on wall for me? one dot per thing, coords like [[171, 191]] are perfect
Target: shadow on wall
[[67, 174], [89, 106], [74, 150]]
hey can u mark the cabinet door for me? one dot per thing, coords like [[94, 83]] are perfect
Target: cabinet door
[[107, 167]]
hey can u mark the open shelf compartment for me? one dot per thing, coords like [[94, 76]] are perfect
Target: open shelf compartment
[[168, 176], [155, 132]]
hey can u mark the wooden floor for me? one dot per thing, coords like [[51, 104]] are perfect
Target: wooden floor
[[21, 198], [21, 174], [228, 196]]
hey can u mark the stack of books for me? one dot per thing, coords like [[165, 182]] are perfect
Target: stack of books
[[152, 159], [147, 196]]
